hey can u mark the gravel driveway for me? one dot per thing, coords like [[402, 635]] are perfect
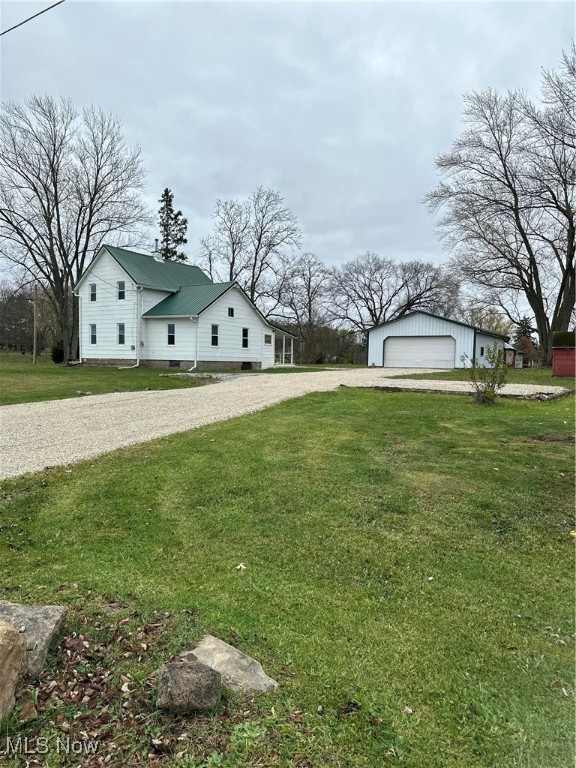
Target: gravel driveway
[[38, 435]]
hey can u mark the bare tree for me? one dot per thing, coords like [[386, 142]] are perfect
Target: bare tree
[[487, 317], [68, 182], [371, 290], [17, 317], [507, 200], [252, 242], [303, 299]]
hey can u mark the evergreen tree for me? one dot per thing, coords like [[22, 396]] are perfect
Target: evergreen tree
[[173, 228], [524, 329]]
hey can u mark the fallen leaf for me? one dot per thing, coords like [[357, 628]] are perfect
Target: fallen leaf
[[27, 711]]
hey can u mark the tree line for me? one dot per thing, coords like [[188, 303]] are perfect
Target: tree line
[[69, 182]]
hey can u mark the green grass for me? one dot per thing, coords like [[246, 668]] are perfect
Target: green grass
[[401, 550], [515, 376], [20, 383]]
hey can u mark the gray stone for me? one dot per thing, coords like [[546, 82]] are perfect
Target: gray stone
[[239, 671], [188, 686], [12, 649], [39, 625]]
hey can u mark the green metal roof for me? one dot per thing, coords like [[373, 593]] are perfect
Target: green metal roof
[[164, 275], [189, 301]]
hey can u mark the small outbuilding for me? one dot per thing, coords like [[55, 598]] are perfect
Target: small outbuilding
[[564, 353], [424, 340], [514, 357]]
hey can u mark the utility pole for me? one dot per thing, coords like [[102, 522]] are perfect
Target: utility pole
[[35, 325]]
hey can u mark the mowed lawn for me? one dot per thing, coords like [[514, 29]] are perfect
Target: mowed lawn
[[409, 582], [45, 381]]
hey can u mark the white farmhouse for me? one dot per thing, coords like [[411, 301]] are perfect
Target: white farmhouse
[[423, 340], [137, 310]]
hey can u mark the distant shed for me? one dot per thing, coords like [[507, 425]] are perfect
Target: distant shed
[[564, 354]]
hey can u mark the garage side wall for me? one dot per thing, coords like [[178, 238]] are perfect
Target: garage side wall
[[482, 344], [421, 325]]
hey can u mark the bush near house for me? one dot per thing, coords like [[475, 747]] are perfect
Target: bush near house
[[487, 380]]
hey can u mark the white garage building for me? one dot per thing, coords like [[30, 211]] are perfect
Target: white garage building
[[423, 340]]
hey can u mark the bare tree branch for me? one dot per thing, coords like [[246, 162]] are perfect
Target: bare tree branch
[[507, 198], [68, 182], [252, 242]]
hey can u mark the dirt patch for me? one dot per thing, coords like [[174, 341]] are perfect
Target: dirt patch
[[555, 438]]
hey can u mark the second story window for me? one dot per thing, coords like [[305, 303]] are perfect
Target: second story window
[[92, 291], [245, 338], [230, 311], [121, 333], [267, 338], [214, 335], [171, 334], [121, 289], [92, 334]]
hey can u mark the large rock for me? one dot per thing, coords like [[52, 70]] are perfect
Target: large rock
[[188, 686], [12, 649], [239, 671], [39, 625]]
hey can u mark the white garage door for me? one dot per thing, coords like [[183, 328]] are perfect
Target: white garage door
[[419, 352]]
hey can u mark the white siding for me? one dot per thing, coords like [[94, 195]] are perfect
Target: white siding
[[107, 311], [421, 325], [268, 349], [230, 332], [156, 346], [482, 343], [148, 299]]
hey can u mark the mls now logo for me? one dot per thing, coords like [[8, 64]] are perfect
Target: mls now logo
[[25, 745]]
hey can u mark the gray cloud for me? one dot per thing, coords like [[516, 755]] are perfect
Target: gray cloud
[[342, 107]]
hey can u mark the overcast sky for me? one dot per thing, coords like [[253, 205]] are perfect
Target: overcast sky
[[342, 107]]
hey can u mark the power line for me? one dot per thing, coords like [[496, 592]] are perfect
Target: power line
[[31, 17]]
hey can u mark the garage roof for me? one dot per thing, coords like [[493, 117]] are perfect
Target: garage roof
[[439, 317]]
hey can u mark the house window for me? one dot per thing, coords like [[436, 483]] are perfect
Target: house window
[[92, 334], [214, 335], [267, 338], [92, 291], [121, 333], [121, 289], [245, 338], [230, 311], [481, 351], [171, 334]]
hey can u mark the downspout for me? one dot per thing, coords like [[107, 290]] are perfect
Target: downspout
[[137, 363], [80, 327], [195, 319]]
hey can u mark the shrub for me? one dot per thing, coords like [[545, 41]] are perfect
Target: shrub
[[57, 352], [487, 381]]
